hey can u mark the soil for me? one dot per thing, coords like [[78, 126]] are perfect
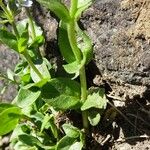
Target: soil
[[120, 30]]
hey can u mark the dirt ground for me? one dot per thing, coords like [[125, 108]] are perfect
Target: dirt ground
[[120, 30]]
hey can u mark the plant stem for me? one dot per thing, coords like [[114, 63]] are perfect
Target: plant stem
[[15, 29], [73, 7], [84, 97], [33, 34], [78, 55], [27, 56]]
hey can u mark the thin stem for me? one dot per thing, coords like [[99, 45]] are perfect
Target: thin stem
[[33, 34], [84, 97], [73, 7], [15, 29], [27, 56]]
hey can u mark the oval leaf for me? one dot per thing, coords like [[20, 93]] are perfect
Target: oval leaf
[[71, 131], [61, 93], [64, 44], [9, 39], [96, 100], [42, 67], [9, 119], [26, 97], [65, 143], [94, 117]]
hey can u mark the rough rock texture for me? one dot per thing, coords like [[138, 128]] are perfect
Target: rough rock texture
[[8, 59], [120, 32]]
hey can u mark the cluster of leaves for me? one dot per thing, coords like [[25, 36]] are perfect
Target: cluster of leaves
[[41, 96]]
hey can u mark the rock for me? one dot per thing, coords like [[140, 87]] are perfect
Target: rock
[[120, 33]]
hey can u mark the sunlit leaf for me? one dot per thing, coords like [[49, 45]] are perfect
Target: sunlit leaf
[[96, 99], [9, 39], [61, 93], [9, 119], [58, 8]]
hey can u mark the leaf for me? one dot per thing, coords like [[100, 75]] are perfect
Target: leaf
[[9, 119], [65, 143], [21, 25], [41, 66], [10, 74], [38, 41], [85, 44], [9, 39], [61, 93], [58, 8], [82, 5], [93, 117], [96, 99], [4, 106], [64, 44], [53, 127], [33, 141], [18, 131], [26, 97], [23, 40], [29, 140], [71, 131], [76, 146], [73, 67], [45, 121], [21, 146]]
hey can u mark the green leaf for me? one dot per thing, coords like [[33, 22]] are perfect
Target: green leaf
[[23, 40], [71, 131], [65, 143], [21, 25], [41, 66], [58, 8], [76, 146], [64, 44], [45, 121], [38, 41], [21, 146], [82, 5], [53, 127], [29, 140], [20, 129], [33, 141], [9, 119], [26, 97], [94, 117], [73, 67], [4, 106], [85, 44], [96, 99], [61, 93], [9, 39]]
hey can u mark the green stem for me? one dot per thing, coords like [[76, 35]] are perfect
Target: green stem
[[84, 97], [73, 7], [15, 29], [33, 34], [27, 57]]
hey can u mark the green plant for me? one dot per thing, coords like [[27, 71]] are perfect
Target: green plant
[[41, 96]]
